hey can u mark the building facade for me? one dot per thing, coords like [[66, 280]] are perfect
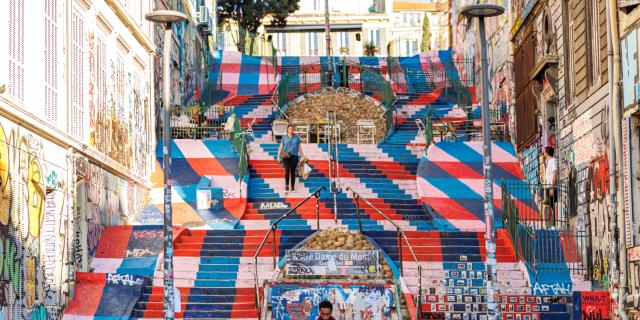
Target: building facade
[[561, 96], [76, 140], [629, 22]]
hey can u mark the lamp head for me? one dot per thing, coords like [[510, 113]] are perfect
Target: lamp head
[[482, 10], [165, 16]]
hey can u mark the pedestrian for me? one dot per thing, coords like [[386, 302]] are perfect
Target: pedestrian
[[289, 152], [550, 184], [325, 309]]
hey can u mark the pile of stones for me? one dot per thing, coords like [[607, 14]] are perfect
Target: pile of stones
[[350, 106]]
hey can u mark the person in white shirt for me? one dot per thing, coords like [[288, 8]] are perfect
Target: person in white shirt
[[550, 183]]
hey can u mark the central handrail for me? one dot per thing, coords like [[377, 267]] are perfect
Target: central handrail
[[272, 229], [401, 236]]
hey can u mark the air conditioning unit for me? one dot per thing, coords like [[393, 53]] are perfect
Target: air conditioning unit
[[204, 17]]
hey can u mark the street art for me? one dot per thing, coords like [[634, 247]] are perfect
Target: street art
[[43, 240], [33, 253], [544, 289], [591, 305], [300, 302]]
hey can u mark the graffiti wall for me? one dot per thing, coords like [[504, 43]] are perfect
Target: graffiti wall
[[584, 167], [102, 199], [300, 302], [43, 240], [34, 225]]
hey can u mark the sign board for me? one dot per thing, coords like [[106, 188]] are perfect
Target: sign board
[[203, 199], [634, 254], [591, 305], [333, 262]]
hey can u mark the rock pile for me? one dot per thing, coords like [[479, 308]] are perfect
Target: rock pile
[[350, 106]]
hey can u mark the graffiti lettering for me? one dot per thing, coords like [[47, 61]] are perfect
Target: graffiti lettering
[[139, 252], [124, 279], [147, 234], [273, 205], [552, 289], [50, 248]]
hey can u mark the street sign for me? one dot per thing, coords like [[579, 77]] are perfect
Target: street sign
[[333, 262]]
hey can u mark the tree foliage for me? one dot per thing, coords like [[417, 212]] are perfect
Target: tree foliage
[[248, 14], [426, 34]]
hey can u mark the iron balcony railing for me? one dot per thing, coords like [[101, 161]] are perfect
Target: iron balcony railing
[[401, 238], [542, 240], [272, 231]]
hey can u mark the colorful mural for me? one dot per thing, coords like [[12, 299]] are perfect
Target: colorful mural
[[357, 302], [43, 239], [34, 225]]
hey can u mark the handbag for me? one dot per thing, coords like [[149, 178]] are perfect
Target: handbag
[[286, 154]]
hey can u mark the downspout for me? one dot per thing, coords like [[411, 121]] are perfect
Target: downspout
[[615, 150]]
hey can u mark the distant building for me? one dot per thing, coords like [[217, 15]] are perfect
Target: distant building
[[407, 26]]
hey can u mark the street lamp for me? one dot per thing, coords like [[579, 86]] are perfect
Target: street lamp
[[482, 11], [167, 17]]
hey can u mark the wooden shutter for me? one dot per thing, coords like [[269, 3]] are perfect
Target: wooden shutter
[[51, 61], [16, 49], [602, 38], [101, 94], [580, 49], [77, 76]]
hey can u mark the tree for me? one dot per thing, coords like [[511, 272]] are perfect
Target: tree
[[248, 14], [426, 34]]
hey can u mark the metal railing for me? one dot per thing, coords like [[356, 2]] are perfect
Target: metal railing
[[273, 230], [239, 140], [440, 124], [401, 238], [543, 251]]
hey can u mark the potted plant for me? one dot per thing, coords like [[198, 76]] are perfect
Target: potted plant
[[370, 49]]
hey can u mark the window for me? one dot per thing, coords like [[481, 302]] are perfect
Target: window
[[77, 79], [588, 46], [343, 40], [312, 44], [280, 43], [51, 61], [317, 5], [411, 47], [412, 19], [16, 49], [374, 37]]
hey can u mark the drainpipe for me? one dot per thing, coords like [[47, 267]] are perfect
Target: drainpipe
[[615, 150]]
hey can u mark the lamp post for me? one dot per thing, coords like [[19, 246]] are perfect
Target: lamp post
[[167, 17], [482, 11]]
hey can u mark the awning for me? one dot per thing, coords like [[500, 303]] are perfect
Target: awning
[[314, 27]]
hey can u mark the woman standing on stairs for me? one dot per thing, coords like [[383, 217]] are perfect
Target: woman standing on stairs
[[289, 152]]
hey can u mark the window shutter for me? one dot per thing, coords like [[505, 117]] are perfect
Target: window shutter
[[602, 34], [51, 61], [77, 77], [101, 93], [16, 49]]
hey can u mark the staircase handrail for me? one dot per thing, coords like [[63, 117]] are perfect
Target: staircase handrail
[[272, 229], [401, 236]]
